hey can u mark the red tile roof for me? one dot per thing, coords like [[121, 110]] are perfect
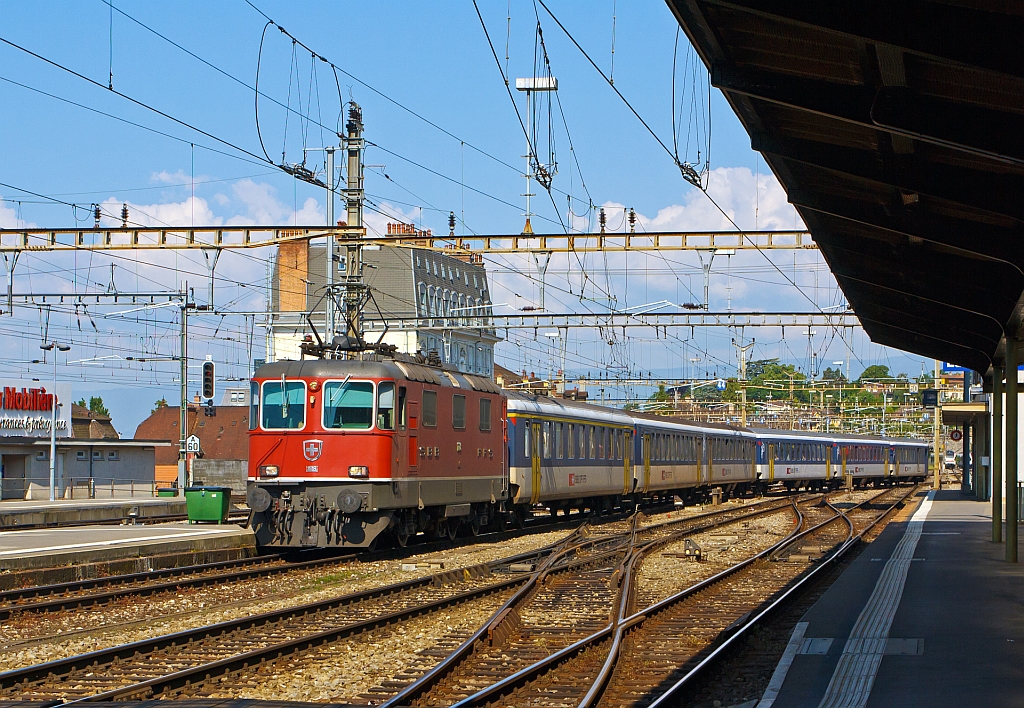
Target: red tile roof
[[222, 437]]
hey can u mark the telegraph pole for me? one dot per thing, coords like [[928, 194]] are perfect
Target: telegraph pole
[[742, 353], [329, 300], [354, 145], [183, 409]]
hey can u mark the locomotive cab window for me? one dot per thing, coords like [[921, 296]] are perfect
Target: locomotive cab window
[[254, 405], [283, 405], [349, 405], [386, 405]]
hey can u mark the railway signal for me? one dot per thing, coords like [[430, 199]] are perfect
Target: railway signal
[[208, 380]]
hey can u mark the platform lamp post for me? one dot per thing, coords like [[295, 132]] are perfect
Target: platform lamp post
[[54, 347]]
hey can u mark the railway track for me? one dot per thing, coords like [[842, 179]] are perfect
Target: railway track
[[630, 660], [209, 654], [96, 591], [554, 611]]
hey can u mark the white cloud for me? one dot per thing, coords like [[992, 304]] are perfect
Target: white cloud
[[178, 178], [262, 207], [9, 218], [733, 188], [190, 211]]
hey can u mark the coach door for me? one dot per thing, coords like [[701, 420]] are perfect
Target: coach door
[[647, 461], [627, 467], [535, 447], [771, 462]]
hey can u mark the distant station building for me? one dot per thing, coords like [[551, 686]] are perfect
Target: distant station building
[[223, 433], [446, 291], [92, 461]]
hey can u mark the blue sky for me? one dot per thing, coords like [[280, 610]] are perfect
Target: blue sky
[[432, 58]]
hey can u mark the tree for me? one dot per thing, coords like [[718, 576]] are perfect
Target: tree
[[162, 403], [836, 375], [97, 407], [661, 395], [875, 372]]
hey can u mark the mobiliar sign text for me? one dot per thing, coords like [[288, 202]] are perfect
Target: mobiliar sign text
[[27, 409]]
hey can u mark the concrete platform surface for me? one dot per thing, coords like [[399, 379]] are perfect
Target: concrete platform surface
[[47, 548], [14, 513], [928, 615]]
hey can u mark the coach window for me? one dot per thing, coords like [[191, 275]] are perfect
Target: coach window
[[284, 405], [485, 415], [349, 404], [459, 411], [583, 442], [430, 409], [254, 405], [546, 441], [559, 441], [386, 405], [570, 442]]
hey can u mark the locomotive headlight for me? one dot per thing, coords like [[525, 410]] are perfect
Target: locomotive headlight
[[269, 471], [358, 471]]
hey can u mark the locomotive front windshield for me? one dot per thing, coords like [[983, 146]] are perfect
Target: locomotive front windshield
[[348, 405], [280, 411]]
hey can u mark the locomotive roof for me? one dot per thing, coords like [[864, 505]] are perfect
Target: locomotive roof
[[375, 369]]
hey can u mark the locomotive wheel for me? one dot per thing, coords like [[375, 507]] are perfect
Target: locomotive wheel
[[402, 535]]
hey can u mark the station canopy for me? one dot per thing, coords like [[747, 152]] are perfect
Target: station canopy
[[896, 128]]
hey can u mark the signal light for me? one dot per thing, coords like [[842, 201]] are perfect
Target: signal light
[[208, 379]]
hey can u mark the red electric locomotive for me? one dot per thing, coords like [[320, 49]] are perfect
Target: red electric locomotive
[[342, 451]]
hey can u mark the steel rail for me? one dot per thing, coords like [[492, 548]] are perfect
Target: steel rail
[[671, 694], [530, 673], [419, 688], [39, 672], [126, 589]]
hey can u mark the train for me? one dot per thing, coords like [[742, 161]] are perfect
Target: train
[[346, 452]]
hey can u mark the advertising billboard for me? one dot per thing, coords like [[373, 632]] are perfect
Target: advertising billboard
[[26, 409]]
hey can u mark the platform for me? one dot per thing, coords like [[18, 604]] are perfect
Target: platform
[[41, 556], [15, 513], [928, 615]]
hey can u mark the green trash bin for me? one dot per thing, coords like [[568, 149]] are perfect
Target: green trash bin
[[207, 503]]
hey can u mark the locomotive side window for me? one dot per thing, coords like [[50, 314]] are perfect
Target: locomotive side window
[[349, 405], [459, 412], [284, 409], [386, 405], [254, 405], [485, 415], [430, 409], [401, 408]]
